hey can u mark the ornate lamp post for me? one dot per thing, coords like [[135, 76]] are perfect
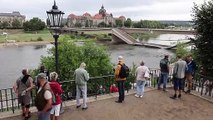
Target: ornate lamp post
[[54, 22]]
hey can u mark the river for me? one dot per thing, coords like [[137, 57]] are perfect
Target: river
[[13, 59]]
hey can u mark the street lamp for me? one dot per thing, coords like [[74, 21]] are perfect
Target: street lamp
[[54, 22]]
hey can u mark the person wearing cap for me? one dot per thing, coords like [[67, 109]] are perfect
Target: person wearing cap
[[22, 88], [81, 77], [56, 88], [120, 81], [164, 72], [43, 100]]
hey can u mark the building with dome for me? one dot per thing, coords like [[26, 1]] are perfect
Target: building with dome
[[101, 19]]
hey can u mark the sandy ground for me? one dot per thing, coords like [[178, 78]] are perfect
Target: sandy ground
[[155, 105]]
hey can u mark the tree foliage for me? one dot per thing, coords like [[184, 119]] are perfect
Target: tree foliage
[[128, 22], [182, 50], [78, 24], [203, 24], [118, 23], [34, 24], [16, 23], [4, 24], [148, 24], [72, 55]]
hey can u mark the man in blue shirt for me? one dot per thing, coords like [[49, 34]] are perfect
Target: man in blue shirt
[[191, 65]]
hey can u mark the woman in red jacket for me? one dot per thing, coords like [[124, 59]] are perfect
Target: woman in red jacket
[[56, 88]]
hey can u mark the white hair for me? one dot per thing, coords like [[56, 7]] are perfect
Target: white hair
[[83, 65], [53, 76]]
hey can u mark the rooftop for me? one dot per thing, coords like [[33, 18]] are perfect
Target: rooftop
[[13, 14]]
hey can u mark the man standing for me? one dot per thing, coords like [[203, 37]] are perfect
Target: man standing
[[190, 72], [81, 77], [43, 100], [179, 74], [120, 80], [22, 88], [164, 68]]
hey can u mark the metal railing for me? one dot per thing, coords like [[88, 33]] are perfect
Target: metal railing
[[101, 85], [9, 100]]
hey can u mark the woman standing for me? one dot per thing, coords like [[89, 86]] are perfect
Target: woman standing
[[57, 91], [142, 74]]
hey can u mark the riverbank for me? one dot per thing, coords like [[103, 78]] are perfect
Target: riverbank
[[14, 44]]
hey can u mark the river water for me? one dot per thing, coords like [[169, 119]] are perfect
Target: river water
[[13, 59]]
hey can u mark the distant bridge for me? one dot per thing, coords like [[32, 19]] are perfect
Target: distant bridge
[[131, 30]]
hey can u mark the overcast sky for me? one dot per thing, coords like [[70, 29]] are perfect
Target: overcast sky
[[134, 9]]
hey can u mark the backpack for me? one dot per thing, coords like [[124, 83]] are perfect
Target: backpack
[[124, 71]]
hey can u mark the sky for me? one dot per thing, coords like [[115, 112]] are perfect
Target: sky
[[134, 9]]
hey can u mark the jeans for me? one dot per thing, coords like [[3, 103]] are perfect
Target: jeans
[[163, 79], [140, 87], [83, 90], [121, 90], [44, 116]]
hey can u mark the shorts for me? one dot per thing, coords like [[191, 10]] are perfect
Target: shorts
[[55, 110], [24, 100], [178, 84]]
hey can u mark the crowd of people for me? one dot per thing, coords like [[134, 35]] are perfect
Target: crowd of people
[[48, 98]]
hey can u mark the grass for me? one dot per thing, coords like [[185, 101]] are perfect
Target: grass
[[144, 36], [45, 35]]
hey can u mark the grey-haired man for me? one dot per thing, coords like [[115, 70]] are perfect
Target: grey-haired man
[[81, 77]]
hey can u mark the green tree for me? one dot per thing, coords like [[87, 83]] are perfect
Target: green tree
[[148, 24], [34, 24], [118, 23], [102, 24], [128, 22], [182, 50], [5, 24], [203, 24], [0, 25], [87, 23], [71, 55], [16, 23], [78, 24]]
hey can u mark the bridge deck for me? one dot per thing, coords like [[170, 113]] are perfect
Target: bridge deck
[[155, 105]]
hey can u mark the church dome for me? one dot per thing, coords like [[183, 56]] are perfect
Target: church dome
[[102, 11]]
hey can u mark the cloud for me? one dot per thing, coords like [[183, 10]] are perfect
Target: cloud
[[135, 9]]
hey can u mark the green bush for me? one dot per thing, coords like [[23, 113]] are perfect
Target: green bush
[[40, 39], [71, 55]]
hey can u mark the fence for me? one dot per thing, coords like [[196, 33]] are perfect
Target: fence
[[101, 85]]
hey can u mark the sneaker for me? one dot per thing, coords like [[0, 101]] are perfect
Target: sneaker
[[179, 96], [141, 96], [85, 108], [159, 88], [137, 96], [174, 97], [78, 106], [117, 101], [165, 90]]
